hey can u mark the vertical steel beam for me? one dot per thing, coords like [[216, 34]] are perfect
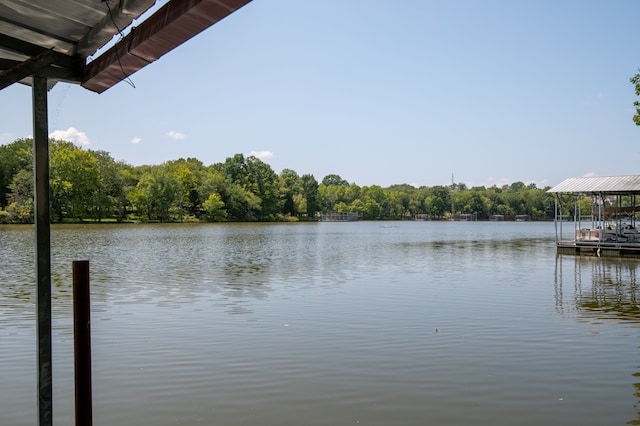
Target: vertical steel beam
[[43, 250]]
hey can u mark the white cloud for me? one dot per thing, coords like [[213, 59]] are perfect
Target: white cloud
[[176, 135], [590, 174], [5, 138], [72, 135], [540, 184], [136, 141], [498, 182], [261, 155]]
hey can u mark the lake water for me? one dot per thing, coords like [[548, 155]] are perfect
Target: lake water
[[371, 323]]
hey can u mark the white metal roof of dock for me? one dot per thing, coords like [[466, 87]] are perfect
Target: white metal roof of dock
[[599, 184]]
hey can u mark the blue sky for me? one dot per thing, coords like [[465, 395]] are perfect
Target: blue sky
[[378, 92]]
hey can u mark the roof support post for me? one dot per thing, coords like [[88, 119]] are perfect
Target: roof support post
[[555, 218], [43, 250]]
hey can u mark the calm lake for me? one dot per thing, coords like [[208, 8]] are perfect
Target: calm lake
[[371, 323]]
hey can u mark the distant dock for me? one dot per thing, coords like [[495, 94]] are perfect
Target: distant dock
[[338, 216], [608, 227]]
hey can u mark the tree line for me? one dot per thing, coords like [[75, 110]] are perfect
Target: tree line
[[91, 185]]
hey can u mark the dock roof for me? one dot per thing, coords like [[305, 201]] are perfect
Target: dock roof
[[58, 39], [600, 184]]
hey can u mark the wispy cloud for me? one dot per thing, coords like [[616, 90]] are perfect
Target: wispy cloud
[[176, 135], [500, 182], [5, 138], [261, 155], [136, 141], [72, 135]]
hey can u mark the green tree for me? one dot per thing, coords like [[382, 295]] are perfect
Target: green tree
[[14, 157], [215, 181], [263, 182], [212, 181], [375, 201], [438, 201], [395, 206], [140, 202], [127, 179], [371, 209], [235, 169], [240, 203], [73, 180], [334, 179], [214, 206], [359, 207], [349, 193], [253, 192], [406, 200], [20, 208], [156, 194], [478, 204], [110, 188], [189, 174], [300, 204], [311, 194], [635, 80], [290, 187]]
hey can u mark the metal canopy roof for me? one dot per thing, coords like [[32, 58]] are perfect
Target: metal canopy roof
[[54, 38], [596, 185]]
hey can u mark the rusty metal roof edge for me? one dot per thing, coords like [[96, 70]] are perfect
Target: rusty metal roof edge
[[176, 14]]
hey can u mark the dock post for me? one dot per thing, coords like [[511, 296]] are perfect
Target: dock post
[[43, 250], [82, 343]]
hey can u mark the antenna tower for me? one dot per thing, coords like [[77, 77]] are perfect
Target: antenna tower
[[453, 188]]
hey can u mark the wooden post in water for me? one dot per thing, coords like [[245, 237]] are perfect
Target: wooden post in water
[[82, 343]]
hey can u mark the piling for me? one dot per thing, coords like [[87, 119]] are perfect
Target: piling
[[82, 343]]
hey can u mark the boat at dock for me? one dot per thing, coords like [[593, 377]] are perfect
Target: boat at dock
[[598, 216]]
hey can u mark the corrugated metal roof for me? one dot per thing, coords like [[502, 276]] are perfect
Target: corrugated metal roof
[[604, 184], [73, 29], [169, 27], [54, 38]]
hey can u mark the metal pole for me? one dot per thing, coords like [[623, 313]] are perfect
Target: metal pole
[[555, 219], [43, 250], [82, 342]]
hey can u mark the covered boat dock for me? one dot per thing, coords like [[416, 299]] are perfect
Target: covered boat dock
[[597, 216]]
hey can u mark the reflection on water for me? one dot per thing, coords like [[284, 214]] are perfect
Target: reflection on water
[[329, 323], [602, 288]]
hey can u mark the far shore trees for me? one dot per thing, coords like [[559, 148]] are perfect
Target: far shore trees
[[89, 185]]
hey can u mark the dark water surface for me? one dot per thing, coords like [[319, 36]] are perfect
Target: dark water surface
[[394, 323]]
